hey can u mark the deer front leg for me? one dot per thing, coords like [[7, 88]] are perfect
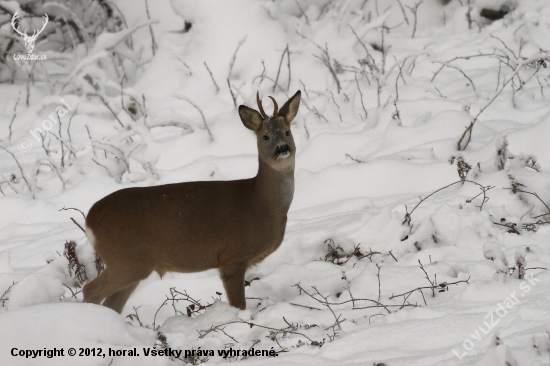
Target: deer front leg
[[233, 282]]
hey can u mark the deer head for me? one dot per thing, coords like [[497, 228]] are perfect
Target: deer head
[[29, 40], [275, 143]]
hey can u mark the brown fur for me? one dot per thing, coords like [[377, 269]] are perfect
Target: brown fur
[[195, 226]]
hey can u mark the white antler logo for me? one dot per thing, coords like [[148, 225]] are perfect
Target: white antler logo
[[29, 40]]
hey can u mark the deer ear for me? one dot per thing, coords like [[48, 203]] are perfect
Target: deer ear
[[290, 108], [251, 119]]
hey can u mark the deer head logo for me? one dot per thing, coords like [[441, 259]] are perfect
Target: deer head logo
[[29, 40]]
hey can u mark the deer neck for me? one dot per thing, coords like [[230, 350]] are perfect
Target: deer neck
[[275, 187]]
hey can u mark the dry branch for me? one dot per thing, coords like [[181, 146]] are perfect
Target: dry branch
[[279, 69], [303, 12], [484, 190], [361, 97], [14, 115], [212, 76], [74, 264], [215, 328], [231, 91], [108, 107], [20, 169], [442, 287], [468, 132], [153, 43], [74, 209], [445, 64], [241, 42], [3, 298], [414, 10], [515, 189], [325, 58], [202, 115], [327, 304]]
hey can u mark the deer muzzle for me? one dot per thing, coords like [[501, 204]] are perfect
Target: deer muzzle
[[282, 152]]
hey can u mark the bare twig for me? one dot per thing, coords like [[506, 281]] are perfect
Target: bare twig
[[108, 107], [202, 115], [484, 190], [184, 64], [361, 96], [77, 224], [467, 57], [324, 302], [28, 85], [153, 43], [74, 264], [378, 275], [522, 216], [62, 158], [288, 64], [69, 125], [279, 69], [235, 57], [403, 11], [3, 298], [432, 287], [370, 59], [326, 60], [135, 316], [533, 194], [204, 333], [461, 71], [212, 76], [14, 115], [73, 294], [304, 306], [468, 132], [303, 12], [20, 169], [428, 278], [231, 91], [414, 10], [504, 44], [369, 255]]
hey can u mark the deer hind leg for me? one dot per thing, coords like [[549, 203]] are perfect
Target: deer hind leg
[[233, 282], [111, 281], [117, 300]]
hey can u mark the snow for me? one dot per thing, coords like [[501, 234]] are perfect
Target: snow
[[370, 153], [35, 289], [63, 324]]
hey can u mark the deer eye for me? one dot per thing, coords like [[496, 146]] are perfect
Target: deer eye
[[288, 133], [266, 137]]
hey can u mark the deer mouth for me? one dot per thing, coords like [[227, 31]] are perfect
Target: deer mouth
[[282, 152]]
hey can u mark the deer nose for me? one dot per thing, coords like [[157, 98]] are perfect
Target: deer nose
[[282, 150]]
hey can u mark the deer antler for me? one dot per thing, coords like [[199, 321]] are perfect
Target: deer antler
[[264, 115], [275, 107], [15, 17], [36, 33]]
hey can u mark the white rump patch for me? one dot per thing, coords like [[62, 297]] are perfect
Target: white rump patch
[[90, 235]]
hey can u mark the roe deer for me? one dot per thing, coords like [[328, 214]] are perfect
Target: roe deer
[[195, 226]]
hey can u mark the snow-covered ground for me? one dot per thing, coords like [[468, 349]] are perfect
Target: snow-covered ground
[[388, 89]]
